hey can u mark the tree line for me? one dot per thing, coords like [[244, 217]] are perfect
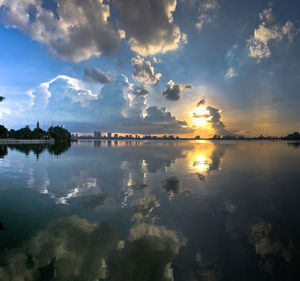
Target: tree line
[[57, 133]]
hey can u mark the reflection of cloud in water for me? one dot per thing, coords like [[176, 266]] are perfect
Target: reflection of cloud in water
[[69, 248], [268, 248], [144, 206], [206, 270], [149, 254], [74, 249], [77, 186], [129, 192], [94, 201], [206, 158], [230, 208], [172, 186], [117, 172], [85, 186]]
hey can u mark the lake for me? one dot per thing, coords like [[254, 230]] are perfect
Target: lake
[[150, 210]]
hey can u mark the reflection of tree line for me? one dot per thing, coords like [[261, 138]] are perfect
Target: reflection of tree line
[[37, 149]]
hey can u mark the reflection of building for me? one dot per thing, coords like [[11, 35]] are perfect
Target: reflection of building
[[97, 135], [109, 135]]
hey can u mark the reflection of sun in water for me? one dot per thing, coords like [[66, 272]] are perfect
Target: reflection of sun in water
[[201, 163], [200, 158], [203, 116]]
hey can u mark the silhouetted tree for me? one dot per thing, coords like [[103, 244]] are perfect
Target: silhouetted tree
[[38, 133], [3, 132], [12, 134], [24, 133], [59, 134], [293, 136], [2, 98]]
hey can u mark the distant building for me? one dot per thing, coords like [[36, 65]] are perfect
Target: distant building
[[109, 135], [116, 136], [37, 124], [97, 135]]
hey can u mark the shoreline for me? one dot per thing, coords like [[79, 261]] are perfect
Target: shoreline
[[24, 141]]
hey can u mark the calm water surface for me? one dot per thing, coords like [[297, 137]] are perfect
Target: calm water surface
[[139, 211]]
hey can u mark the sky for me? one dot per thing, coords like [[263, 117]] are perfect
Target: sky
[[183, 67]]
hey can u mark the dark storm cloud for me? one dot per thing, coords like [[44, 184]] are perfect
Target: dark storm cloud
[[140, 91], [96, 75], [216, 121], [175, 91], [150, 26], [195, 115], [201, 102], [160, 121]]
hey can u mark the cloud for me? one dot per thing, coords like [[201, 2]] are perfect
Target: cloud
[[175, 91], [258, 43], [234, 60], [201, 102], [231, 72], [144, 71], [76, 30], [96, 75], [150, 25], [266, 15], [207, 12], [161, 121], [84, 106], [140, 91], [216, 122], [195, 115]]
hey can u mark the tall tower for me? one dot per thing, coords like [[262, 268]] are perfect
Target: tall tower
[[37, 124]]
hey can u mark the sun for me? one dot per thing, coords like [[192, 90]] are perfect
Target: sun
[[200, 116]]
